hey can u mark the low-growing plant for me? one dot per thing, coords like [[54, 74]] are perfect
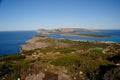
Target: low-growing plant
[[5, 68], [66, 60], [98, 49], [64, 50], [91, 67], [45, 59], [12, 57], [30, 52]]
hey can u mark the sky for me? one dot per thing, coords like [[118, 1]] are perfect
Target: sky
[[51, 14]]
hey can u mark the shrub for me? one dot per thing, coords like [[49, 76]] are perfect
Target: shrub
[[113, 74], [67, 60], [28, 52], [64, 50], [5, 68], [12, 57], [91, 67], [94, 55], [98, 49]]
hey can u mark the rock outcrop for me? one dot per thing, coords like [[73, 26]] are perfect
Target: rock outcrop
[[34, 43]]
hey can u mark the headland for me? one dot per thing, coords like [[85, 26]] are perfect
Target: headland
[[43, 58]]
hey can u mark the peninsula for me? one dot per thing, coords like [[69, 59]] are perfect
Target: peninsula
[[47, 58]]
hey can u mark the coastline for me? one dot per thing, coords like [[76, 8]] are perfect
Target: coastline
[[86, 35], [34, 42], [44, 55], [11, 40]]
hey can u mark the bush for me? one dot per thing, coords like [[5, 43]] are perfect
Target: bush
[[64, 50], [94, 55], [98, 49], [12, 57], [5, 68], [91, 67], [113, 74], [30, 52], [67, 60]]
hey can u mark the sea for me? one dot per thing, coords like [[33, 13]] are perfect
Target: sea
[[10, 41], [114, 36]]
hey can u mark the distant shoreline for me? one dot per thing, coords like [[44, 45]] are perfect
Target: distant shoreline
[[73, 32], [87, 35]]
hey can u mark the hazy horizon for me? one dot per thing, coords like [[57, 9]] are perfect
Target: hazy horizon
[[21, 15]]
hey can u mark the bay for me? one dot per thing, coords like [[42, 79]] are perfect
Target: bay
[[10, 41]]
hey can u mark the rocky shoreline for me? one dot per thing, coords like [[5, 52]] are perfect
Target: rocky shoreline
[[35, 43]]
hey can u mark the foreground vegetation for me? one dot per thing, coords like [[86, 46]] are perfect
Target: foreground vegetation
[[78, 60]]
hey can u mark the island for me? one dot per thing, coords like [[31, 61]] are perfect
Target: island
[[73, 32], [61, 30], [47, 58]]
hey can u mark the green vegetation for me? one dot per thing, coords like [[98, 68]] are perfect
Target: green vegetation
[[93, 59], [28, 52], [78, 63], [61, 50], [12, 57], [67, 60], [5, 68], [48, 50], [98, 49], [14, 68], [65, 50], [94, 35], [91, 67]]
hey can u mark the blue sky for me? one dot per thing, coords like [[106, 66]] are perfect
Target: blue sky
[[49, 14]]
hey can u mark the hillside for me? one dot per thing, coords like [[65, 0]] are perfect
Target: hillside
[[47, 58]]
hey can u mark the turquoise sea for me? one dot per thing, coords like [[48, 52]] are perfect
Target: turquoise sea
[[11, 40], [114, 36]]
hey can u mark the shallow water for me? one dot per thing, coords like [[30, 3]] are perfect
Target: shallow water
[[114, 36]]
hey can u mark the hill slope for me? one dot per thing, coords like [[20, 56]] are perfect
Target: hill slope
[[46, 58]]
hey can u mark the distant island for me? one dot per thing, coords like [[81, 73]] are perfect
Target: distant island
[[64, 30], [72, 32]]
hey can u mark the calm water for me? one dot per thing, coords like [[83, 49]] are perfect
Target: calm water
[[115, 36], [11, 40]]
